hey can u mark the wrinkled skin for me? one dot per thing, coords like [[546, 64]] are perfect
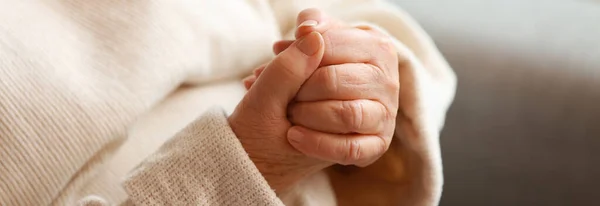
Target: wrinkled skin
[[304, 113]]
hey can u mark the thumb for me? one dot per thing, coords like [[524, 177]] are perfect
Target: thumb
[[313, 19], [284, 75]]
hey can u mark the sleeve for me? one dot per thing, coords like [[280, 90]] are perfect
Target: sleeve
[[427, 87], [204, 164]]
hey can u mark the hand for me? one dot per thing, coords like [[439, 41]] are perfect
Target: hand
[[260, 120], [345, 112]]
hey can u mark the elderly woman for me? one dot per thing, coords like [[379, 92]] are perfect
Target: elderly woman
[[109, 102]]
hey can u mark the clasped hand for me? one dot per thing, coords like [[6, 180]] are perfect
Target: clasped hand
[[330, 96]]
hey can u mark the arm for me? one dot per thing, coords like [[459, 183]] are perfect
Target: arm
[[204, 164], [199, 166]]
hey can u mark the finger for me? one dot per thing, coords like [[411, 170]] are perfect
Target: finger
[[313, 16], [342, 117], [259, 70], [279, 46], [346, 45], [360, 46], [349, 149], [374, 31], [285, 74], [249, 81], [348, 82]]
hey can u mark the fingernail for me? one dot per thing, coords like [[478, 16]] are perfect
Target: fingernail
[[295, 136], [308, 23], [309, 44]]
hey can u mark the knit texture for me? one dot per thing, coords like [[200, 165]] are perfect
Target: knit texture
[[181, 172], [90, 91]]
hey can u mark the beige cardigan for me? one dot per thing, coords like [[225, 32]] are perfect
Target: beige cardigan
[[91, 90]]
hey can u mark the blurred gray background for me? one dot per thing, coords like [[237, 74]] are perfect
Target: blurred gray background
[[525, 125]]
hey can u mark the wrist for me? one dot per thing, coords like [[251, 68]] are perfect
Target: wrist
[[282, 171], [279, 163]]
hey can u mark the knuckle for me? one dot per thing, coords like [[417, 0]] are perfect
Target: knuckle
[[384, 145], [366, 161], [351, 150], [389, 113], [284, 65], [386, 116], [392, 85], [372, 29], [352, 115], [376, 73], [319, 145], [362, 75], [307, 13], [364, 27], [387, 82], [382, 38], [387, 53], [330, 77], [385, 43], [330, 46]]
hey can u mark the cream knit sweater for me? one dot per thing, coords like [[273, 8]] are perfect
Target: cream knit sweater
[[91, 90]]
